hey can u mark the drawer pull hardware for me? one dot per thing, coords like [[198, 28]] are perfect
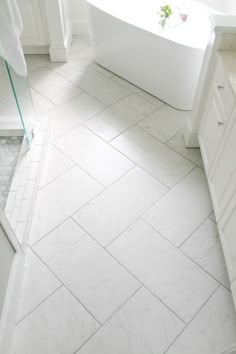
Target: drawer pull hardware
[[220, 123], [220, 87]]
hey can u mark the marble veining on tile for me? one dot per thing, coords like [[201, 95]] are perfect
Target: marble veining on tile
[[124, 255], [91, 274]]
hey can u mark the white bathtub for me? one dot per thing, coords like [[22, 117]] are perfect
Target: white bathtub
[[127, 40]]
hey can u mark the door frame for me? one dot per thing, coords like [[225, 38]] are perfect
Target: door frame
[[10, 305]]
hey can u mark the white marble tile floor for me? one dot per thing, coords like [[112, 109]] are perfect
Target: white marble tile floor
[[124, 255]]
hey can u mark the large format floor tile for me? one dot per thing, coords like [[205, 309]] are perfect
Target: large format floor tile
[[61, 198], [120, 205], [77, 43], [212, 331], [101, 69], [41, 104], [177, 281], [38, 284], [119, 117], [156, 287], [155, 157], [138, 91], [164, 123], [177, 143], [99, 86], [55, 164], [36, 61], [204, 247], [72, 113], [60, 325], [143, 326], [79, 60], [52, 86], [183, 209], [96, 157], [91, 274]]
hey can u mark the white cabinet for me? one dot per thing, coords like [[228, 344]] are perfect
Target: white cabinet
[[223, 173], [33, 15], [227, 227], [212, 129], [217, 139], [47, 28]]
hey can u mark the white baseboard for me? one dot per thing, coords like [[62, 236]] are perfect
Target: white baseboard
[[80, 27], [190, 136], [62, 54], [36, 49]]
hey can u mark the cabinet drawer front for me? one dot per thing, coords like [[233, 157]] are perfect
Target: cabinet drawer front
[[212, 130], [223, 174], [224, 90], [228, 236]]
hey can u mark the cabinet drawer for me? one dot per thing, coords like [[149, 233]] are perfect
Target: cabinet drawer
[[227, 229], [223, 174], [212, 129], [224, 90]]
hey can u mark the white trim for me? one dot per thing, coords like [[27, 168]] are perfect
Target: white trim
[[62, 54], [190, 136], [36, 49]]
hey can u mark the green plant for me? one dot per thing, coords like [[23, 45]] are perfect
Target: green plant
[[165, 11]]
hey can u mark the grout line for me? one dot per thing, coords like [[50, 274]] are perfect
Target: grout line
[[150, 173], [35, 308], [43, 94], [77, 165], [134, 110], [196, 228], [119, 308], [133, 221], [105, 187], [55, 104], [36, 242], [66, 287], [107, 245], [204, 304], [134, 276], [167, 144], [137, 93], [77, 125], [108, 142], [98, 72], [140, 216], [55, 178], [71, 216], [186, 255]]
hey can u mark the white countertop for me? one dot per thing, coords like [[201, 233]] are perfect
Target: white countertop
[[228, 60]]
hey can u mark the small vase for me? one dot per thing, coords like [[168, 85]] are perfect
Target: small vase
[[163, 23]]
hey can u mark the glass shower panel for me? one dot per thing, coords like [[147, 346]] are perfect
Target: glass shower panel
[[16, 107]]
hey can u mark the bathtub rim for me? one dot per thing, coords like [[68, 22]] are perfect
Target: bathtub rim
[[164, 34]]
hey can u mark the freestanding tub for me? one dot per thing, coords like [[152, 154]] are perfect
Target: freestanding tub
[[128, 40]]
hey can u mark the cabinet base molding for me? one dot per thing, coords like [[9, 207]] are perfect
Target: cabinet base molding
[[61, 54], [36, 49], [190, 136]]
